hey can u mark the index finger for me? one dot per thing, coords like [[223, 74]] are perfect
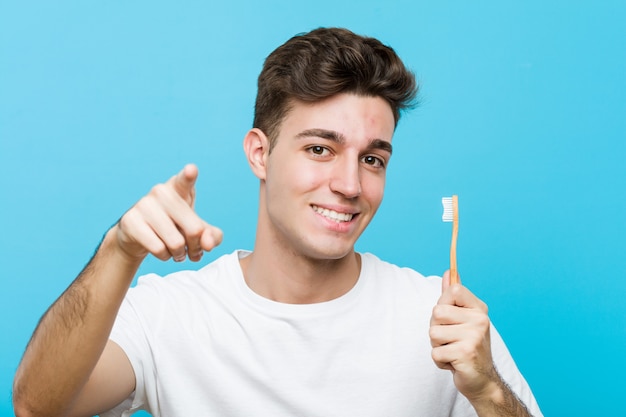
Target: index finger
[[184, 183]]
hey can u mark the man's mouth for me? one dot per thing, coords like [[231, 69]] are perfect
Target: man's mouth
[[333, 215]]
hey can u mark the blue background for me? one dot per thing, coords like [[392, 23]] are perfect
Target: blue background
[[523, 116]]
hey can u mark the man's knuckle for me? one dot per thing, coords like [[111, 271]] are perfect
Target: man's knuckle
[[433, 332], [159, 190], [484, 307], [159, 251], [483, 320], [176, 243], [126, 220], [195, 230]]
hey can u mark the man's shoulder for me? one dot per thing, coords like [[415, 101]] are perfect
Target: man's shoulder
[[387, 272], [222, 268], [184, 294], [380, 265]]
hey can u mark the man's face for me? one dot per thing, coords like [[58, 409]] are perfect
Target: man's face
[[325, 176]]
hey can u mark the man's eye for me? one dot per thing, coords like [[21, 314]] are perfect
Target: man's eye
[[374, 161], [318, 150]]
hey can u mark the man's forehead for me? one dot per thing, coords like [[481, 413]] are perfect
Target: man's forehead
[[341, 112]]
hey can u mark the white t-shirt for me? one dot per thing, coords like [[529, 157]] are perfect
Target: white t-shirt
[[202, 343]]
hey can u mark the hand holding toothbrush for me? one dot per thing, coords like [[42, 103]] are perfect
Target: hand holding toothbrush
[[460, 337], [461, 341], [459, 326], [459, 334]]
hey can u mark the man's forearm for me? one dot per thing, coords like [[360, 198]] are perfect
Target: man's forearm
[[502, 402], [72, 334]]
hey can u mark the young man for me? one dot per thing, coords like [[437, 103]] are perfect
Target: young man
[[302, 325]]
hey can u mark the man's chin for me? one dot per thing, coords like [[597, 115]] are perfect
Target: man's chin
[[327, 254]]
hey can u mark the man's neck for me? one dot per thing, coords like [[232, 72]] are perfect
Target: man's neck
[[297, 279]]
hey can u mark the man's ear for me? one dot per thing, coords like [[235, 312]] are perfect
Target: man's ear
[[256, 146]]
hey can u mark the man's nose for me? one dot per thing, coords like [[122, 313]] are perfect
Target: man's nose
[[346, 178]]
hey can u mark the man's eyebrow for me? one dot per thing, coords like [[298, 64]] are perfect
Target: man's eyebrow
[[339, 138], [383, 145], [322, 133]]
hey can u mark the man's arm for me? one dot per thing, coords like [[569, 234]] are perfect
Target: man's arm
[[71, 337], [461, 342], [70, 367]]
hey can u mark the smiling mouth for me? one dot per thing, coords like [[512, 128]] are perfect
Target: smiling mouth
[[333, 215]]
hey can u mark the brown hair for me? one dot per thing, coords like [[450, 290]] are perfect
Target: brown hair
[[317, 65]]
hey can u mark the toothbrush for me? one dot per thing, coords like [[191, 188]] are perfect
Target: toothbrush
[[451, 214]]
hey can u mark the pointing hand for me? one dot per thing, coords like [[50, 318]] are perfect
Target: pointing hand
[[165, 224]]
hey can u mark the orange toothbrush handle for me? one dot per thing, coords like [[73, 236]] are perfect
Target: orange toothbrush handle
[[454, 273]]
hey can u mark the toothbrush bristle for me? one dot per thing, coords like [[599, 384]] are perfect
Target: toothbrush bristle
[[448, 211]]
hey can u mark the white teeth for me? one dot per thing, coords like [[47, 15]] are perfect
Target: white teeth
[[333, 215]]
